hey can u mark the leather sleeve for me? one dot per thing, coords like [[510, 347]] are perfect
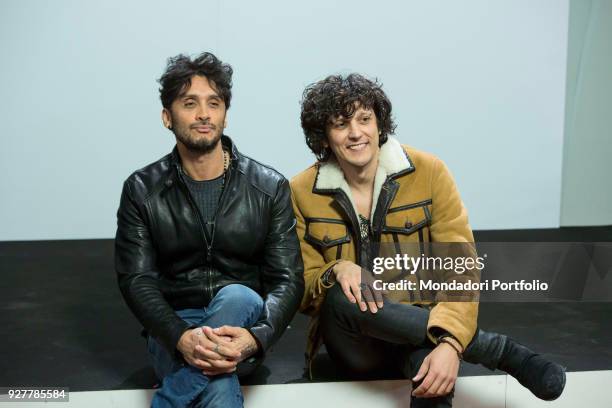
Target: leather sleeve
[[282, 277], [138, 276]]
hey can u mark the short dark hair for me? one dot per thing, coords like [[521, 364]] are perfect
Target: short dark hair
[[180, 69], [337, 96]]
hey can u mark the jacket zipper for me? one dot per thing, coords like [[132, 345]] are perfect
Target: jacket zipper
[[226, 182], [194, 208]]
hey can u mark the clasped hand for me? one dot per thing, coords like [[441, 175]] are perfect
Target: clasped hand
[[216, 351]]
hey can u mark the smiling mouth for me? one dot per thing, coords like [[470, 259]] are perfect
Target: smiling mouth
[[357, 146]]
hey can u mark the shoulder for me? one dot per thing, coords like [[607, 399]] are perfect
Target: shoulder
[[426, 164], [260, 176], [420, 158], [304, 181], [143, 181], [430, 170]]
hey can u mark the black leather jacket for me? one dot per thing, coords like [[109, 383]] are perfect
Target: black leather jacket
[[164, 261]]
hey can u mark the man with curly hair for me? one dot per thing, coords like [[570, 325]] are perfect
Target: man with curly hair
[[365, 191], [206, 251]]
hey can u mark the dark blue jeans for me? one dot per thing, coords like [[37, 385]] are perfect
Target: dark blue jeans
[[186, 386]]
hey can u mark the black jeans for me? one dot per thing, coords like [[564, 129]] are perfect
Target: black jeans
[[390, 343]]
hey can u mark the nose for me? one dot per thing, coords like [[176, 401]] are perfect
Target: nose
[[202, 115], [354, 130]]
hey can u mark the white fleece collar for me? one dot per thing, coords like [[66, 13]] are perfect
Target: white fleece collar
[[391, 160]]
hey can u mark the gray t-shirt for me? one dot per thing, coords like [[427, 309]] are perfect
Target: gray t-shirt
[[206, 195]]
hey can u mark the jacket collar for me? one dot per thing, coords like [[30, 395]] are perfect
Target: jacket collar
[[393, 162]]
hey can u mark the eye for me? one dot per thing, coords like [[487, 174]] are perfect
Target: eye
[[213, 104], [189, 104], [365, 119], [339, 125]]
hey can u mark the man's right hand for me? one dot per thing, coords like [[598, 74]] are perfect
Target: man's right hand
[[348, 275], [215, 357]]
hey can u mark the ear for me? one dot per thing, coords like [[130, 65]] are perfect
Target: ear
[[166, 118]]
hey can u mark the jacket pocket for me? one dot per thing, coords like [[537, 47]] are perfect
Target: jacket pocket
[[327, 234], [408, 219], [407, 233]]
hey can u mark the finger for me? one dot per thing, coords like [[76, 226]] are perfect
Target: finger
[[222, 364], [206, 344], [212, 372], [197, 363], [207, 354], [425, 385], [229, 331], [212, 335], [369, 297], [204, 338], [219, 344], [217, 337], [436, 388], [422, 370], [356, 289], [217, 352], [378, 297], [449, 386], [357, 293], [347, 292]]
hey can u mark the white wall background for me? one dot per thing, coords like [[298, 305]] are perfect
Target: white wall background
[[587, 164], [479, 83]]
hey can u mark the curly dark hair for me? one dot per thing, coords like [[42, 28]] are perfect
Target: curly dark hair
[[180, 69], [337, 96]]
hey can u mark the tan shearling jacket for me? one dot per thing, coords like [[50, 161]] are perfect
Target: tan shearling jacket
[[415, 200]]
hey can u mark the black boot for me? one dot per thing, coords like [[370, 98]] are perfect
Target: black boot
[[544, 378]]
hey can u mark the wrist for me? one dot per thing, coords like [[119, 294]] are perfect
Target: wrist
[[254, 344], [251, 348], [183, 339], [452, 341], [441, 334], [329, 276], [453, 344]]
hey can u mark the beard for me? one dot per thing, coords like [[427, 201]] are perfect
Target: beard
[[200, 145]]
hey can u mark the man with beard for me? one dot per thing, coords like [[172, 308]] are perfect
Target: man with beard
[[206, 252]]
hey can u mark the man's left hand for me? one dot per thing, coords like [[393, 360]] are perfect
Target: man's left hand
[[235, 344], [440, 369]]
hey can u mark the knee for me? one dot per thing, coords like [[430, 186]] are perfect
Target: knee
[[222, 391], [335, 298], [336, 305], [338, 318], [240, 296]]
